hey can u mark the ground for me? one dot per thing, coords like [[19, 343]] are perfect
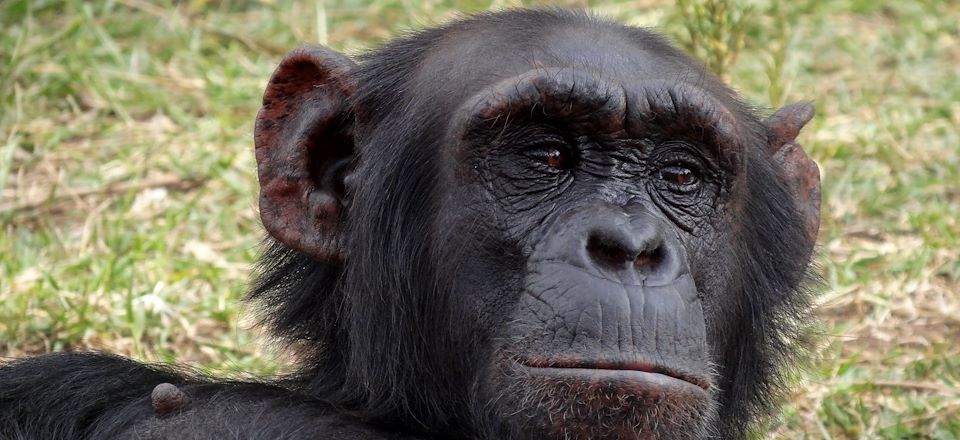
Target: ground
[[127, 190]]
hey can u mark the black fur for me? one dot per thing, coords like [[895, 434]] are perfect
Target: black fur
[[384, 350]]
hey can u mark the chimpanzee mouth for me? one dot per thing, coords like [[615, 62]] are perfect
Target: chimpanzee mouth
[[650, 374]]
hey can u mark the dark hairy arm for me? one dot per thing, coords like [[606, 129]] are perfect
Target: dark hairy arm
[[100, 396]]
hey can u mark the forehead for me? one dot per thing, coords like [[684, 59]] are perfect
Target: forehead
[[465, 61]]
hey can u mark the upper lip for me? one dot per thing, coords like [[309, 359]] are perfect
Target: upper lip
[[701, 381]]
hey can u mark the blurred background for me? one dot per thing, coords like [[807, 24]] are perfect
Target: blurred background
[[127, 187]]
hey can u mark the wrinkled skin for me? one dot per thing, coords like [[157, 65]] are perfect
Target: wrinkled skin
[[528, 224]]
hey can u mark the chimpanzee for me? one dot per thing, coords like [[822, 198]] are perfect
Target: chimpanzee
[[522, 225]]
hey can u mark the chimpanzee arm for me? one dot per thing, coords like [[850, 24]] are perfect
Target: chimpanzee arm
[[99, 396], [73, 396]]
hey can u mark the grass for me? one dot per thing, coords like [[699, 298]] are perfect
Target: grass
[[127, 201]]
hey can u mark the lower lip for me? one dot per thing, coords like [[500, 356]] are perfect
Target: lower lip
[[639, 382]]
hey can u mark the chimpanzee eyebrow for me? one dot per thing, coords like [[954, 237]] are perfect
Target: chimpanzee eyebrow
[[671, 109], [557, 92], [678, 110]]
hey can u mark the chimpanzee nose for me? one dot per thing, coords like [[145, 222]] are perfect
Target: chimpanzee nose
[[617, 246], [636, 243], [624, 244]]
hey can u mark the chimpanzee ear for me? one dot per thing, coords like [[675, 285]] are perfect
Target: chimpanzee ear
[[304, 148], [799, 171]]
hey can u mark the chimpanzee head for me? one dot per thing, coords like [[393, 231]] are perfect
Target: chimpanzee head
[[532, 224]]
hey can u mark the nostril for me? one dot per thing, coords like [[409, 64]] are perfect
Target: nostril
[[648, 260], [609, 252], [619, 252]]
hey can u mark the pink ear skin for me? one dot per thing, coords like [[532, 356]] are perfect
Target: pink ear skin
[[800, 172], [303, 145]]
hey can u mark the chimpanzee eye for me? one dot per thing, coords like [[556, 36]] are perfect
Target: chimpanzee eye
[[554, 156], [678, 175]]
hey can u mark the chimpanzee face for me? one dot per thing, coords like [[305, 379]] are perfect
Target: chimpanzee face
[[606, 187]]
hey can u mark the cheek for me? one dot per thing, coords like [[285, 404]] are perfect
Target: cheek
[[481, 264], [486, 305], [713, 264], [525, 195]]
